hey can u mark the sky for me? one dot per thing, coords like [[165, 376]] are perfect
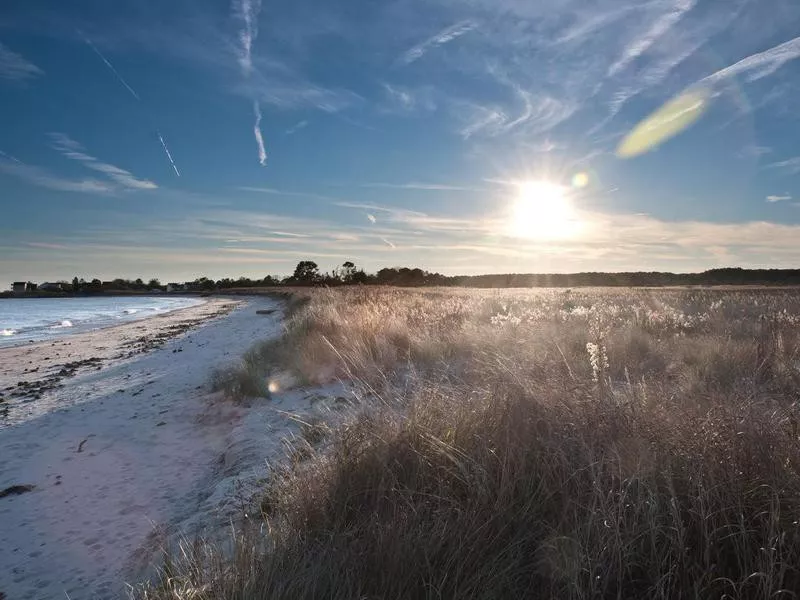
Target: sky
[[187, 138]]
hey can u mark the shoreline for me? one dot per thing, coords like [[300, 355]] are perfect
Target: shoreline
[[109, 457], [70, 334], [29, 372]]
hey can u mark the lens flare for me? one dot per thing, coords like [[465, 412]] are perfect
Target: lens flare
[[668, 121], [580, 180]]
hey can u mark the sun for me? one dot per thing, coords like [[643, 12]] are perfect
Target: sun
[[542, 211]]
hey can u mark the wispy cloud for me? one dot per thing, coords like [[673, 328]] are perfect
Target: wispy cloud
[[778, 198], [399, 97], [446, 35], [441, 187], [277, 192], [290, 91], [297, 127], [388, 243], [791, 165], [247, 12], [537, 114], [754, 150], [289, 234], [759, 65], [406, 100], [388, 210], [43, 178], [593, 22], [75, 151], [371, 218], [643, 42], [46, 245], [262, 153], [16, 67]]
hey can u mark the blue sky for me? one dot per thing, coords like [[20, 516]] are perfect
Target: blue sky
[[180, 138]]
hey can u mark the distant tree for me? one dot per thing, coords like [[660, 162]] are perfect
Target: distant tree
[[387, 276], [76, 284], [153, 283], [202, 283], [347, 271], [306, 272]]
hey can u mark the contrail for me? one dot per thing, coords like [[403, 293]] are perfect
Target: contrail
[[9, 157], [131, 90], [169, 156], [247, 11], [262, 154], [110, 66]]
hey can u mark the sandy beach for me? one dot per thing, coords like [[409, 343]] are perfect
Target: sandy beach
[[117, 444], [29, 371]]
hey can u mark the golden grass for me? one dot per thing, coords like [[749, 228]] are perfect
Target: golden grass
[[545, 444]]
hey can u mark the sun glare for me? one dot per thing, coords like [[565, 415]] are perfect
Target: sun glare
[[543, 211]]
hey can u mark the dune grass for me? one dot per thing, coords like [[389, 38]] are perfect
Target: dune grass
[[544, 444]]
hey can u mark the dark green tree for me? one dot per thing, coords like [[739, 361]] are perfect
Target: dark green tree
[[306, 272]]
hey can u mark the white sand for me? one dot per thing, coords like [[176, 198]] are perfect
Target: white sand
[[134, 448]]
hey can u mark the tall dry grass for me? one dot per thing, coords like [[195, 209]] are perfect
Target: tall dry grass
[[591, 444]]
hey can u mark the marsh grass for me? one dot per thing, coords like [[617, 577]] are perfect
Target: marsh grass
[[498, 459]]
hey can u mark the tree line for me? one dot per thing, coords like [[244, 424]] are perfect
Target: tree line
[[308, 273]]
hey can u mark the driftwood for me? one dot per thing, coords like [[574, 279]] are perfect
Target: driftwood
[[16, 490]]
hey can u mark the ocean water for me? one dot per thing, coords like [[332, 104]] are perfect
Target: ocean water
[[37, 319]]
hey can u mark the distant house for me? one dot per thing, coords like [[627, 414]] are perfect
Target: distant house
[[176, 287], [19, 287], [51, 287]]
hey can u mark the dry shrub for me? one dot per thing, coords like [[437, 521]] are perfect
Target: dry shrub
[[497, 462]]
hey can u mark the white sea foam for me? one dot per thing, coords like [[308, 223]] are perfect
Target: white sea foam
[[8, 332]]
